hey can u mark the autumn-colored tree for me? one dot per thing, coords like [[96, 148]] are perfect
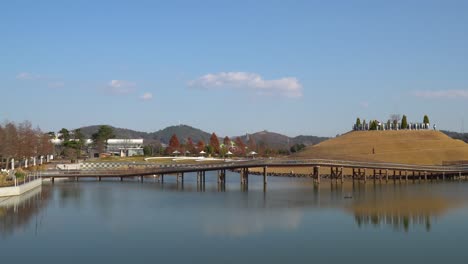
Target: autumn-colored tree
[[173, 144], [240, 146], [44, 145], [214, 143], [20, 142], [200, 145], [27, 140], [227, 142], [251, 143], [190, 146], [10, 149]]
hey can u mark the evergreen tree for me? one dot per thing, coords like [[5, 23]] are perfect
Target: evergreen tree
[[101, 136], [404, 122], [358, 123], [426, 119], [373, 125]]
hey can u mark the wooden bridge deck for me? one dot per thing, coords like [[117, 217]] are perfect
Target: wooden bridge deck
[[317, 168]]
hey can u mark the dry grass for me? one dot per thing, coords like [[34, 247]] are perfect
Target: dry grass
[[408, 147]]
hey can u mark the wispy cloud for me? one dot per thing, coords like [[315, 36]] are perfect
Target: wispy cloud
[[287, 86], [28, 76], [146, 96], [56, 85], [447, 94], [120, 87]]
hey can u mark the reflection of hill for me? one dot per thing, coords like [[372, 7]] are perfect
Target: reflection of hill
[[400, 213], [16, 212]]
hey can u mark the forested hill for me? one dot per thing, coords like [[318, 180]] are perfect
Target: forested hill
[[183, 132], [119, 132], [271, 139]]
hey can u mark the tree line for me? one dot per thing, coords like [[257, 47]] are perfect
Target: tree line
[[216, 148], [22, 141], [394, 123]]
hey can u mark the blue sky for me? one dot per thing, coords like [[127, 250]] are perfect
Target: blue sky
[[233, 67]]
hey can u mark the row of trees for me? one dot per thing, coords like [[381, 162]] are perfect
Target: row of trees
[[392, 123], [214, 147], [22, 141]]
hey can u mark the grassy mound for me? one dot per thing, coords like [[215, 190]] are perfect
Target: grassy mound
[[410, 147]]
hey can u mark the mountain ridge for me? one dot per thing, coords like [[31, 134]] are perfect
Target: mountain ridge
[[271, 139]]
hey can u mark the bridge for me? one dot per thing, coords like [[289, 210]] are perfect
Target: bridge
[[335, 170]]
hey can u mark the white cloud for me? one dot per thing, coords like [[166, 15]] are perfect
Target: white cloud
[[121, 87], [146, 96], [287, 86], [448, 94], [28, 76]]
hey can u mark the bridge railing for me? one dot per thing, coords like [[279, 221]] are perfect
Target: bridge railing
[[174, 168]]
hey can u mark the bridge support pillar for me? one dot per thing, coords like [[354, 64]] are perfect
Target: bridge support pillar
[[244, 175], [121, 178], [265, 175], [52, 179], [341, 175], [141, 178], [221, 176], [386, 175], [162, 178], [443, 176], [316, 174], [99, 178], [335, 173], [425, 175]]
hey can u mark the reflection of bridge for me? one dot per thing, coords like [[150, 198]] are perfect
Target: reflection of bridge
[[334, 169]]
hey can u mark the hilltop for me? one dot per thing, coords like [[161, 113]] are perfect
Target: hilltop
[[410, 147], [182, 132]]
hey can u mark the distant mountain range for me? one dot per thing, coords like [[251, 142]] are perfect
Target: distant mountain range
[[270, 139]]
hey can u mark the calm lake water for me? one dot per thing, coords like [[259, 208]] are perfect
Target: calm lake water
[[292, 222]]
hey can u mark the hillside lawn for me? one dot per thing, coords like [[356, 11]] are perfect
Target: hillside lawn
[[422, 147]]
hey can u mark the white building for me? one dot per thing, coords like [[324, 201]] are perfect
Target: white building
[[125, 147]]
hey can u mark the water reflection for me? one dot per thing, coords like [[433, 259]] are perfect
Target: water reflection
[[19, 211], [233, 210], [402, 207]]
